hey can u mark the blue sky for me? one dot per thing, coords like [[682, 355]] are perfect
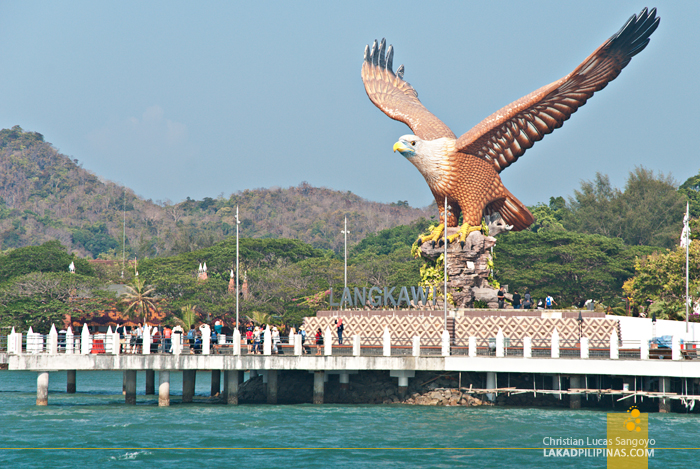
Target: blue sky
[[177, 99]]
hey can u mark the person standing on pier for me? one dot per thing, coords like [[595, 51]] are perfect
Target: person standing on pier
[[122, 338], [319, 341], [501, 296], [549, 302], [302, 332], [527, 303], [275, 339], [167, 334], [256, 340], [339, 327], [516, 300], [249, 339], [133, 342]]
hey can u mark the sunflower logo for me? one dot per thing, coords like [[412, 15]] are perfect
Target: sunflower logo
[[633, 421]]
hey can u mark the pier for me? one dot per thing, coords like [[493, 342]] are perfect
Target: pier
[[566, 367]]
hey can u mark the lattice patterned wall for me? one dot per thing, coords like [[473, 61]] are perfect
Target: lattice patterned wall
[[371, 329], [517, 328]]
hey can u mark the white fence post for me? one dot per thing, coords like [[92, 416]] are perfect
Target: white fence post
[[500, 344], [236, 342], [445, 343], [109, 341], [386, 342], [70, 341], [644, 349], [584, 347], [555, 343], [676, 348], [297, 345], [11, 341], [527, 347], [146, 340], [116, 343], [327, 342], [176, 338], [18, 343], [472, 347], [31, 341], [85, 340], [267, 346], [416, 346], [614, 347], [356, 345]]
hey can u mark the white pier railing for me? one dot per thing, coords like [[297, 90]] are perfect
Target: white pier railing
[[109, 342]]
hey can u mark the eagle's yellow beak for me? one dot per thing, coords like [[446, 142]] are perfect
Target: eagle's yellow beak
[[400, 147]]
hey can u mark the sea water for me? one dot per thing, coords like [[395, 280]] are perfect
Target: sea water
[[94, 428]]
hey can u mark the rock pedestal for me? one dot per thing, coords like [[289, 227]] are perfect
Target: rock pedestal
[[467, 268]]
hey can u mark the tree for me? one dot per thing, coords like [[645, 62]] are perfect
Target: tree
[[49, 257], [40, 299], [659, 281], [691, 189], [572, 267], [647, 213], [137, 298], [188, 316]]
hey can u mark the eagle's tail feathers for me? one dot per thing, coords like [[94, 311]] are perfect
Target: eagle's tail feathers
[[512, 211]]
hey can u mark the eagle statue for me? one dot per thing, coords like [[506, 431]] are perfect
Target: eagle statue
[[465, 170]]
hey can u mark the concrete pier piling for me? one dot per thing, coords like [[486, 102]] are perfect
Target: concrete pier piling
[[490, 384], [150, 382], [215, 382], [344, 380], [318, 387], [163, 388], [130, 391], [232, 381], [272, 387], [70, 381], [188, 381], [42, 388], [664, 402], [575, 399]]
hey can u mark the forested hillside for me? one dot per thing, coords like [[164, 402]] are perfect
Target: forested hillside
[[46, 196]]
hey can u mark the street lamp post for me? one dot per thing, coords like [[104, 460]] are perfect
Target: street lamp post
[[238, 222], [447, 207], [580, 326], [345, 232]]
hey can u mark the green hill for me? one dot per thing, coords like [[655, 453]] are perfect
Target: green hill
[[44, 195]]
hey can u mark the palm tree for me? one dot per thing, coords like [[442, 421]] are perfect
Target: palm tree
[[188, 316], [137, 297], [258, 317]]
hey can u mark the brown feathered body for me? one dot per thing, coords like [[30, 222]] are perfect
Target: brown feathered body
[[466, 169]]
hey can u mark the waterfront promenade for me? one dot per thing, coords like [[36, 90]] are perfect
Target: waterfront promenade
[[571, 368]]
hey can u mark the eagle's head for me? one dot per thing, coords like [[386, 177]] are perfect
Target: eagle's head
[[429, 156], [408, 146]]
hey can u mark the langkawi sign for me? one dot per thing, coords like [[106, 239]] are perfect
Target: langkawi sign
[[384, 297]]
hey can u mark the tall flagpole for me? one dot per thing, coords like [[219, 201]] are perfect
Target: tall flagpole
[[345, 232], [686, 231], [238, 222]]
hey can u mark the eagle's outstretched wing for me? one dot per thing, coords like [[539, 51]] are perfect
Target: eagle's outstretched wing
[[396, 97], [505, 135]]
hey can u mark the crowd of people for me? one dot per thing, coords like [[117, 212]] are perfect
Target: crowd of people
[[524, 301], [161, 337]]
